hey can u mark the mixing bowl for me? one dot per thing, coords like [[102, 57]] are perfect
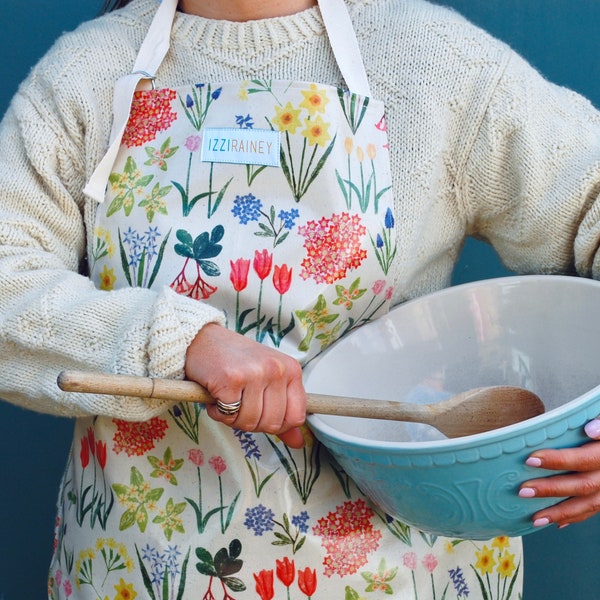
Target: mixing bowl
[[538, 332]]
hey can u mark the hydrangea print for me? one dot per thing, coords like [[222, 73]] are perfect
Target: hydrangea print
[[333, 246], [135, 439], [151, 113], [348, 536]]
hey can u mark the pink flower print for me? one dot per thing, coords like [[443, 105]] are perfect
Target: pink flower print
[[348, 536], [410, 560], [68, 587], [378, 286], [196, 456], [58, 577], [333, 246], [135, 439], [192, 143], [429, 562], [218, 464], [151, 113]]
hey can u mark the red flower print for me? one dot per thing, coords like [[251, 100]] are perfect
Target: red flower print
[[264, 584], [218, 464], [286, 571], [262, 263], [429, 562], [135, 439], [282, 278], [84, 454], [239, 273], [333, 246], [196, 456], [348, 536], [101, 453], [307, 581], [91, 440], [150, 114]]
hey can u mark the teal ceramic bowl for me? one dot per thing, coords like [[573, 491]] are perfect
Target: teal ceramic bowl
[[538, 332]]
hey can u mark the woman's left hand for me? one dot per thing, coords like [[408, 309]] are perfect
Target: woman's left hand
[[580, 487]]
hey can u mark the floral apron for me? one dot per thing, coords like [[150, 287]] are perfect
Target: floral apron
[[271, 200]]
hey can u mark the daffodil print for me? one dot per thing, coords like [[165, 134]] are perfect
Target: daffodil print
[[496, 570], [315, 100], [302, 159], [287, 118]]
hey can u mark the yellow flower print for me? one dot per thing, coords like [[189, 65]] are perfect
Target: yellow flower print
[[243, 93], [360, 154], [107, 279], [506, 566], [485, 560], [348, 145], [287, 118], [315, 100], [371, 151], [449, 547], [125, 591], [316, 131], [501, 542]]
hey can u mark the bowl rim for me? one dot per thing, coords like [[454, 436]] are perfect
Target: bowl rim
[[551, 418]]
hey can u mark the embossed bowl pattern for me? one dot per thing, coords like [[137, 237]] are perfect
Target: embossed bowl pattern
[[537, 332]]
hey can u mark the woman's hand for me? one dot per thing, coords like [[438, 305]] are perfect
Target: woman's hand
[[267, 382], [581, 486]]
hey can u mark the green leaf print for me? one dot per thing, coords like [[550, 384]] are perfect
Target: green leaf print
[[127, 185], [139, 498]]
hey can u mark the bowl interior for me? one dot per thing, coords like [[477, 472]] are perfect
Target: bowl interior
[[534, 332]]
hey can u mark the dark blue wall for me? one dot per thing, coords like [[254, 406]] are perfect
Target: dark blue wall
[[560, 37]]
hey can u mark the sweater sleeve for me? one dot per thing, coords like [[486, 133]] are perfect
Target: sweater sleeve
[[51, 316], [533, 176]]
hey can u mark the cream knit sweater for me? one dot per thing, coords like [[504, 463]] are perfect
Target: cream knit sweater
[[481, 145]]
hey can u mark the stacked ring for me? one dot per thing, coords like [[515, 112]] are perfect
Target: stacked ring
[[229, 409]]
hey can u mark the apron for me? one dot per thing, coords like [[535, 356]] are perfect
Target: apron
[[272, 201]]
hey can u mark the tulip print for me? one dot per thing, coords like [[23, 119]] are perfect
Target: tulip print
[[262, 264], [307, 581], [264, 584], [218, 465], [282, 281], [95, 499]]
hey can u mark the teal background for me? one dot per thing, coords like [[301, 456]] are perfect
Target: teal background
[[560, 37]]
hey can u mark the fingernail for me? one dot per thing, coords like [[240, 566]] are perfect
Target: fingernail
[[563, 525], [542, 522], [526, 492], [592, 429], [533, 461]]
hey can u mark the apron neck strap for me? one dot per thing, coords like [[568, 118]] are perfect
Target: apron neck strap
[[156, 45]]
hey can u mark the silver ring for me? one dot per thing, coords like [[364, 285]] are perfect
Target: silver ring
[[229, 409]]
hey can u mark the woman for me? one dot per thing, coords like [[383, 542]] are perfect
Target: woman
[[160, 500]]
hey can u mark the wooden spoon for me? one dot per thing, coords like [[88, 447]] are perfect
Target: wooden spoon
[[474, 411]]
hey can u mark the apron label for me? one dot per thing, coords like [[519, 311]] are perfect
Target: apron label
[[241, 146]]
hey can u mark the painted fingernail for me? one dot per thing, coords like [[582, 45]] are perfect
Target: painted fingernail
[[541, 522], [592, 429], [526, 492], [533, 461]]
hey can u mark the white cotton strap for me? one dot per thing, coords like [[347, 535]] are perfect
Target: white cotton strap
[[150, 56], [342, 38]]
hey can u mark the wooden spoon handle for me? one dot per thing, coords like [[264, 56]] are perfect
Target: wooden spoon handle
[[179, 390]]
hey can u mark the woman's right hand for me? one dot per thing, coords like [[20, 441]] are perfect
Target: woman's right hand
[[233, 367]]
